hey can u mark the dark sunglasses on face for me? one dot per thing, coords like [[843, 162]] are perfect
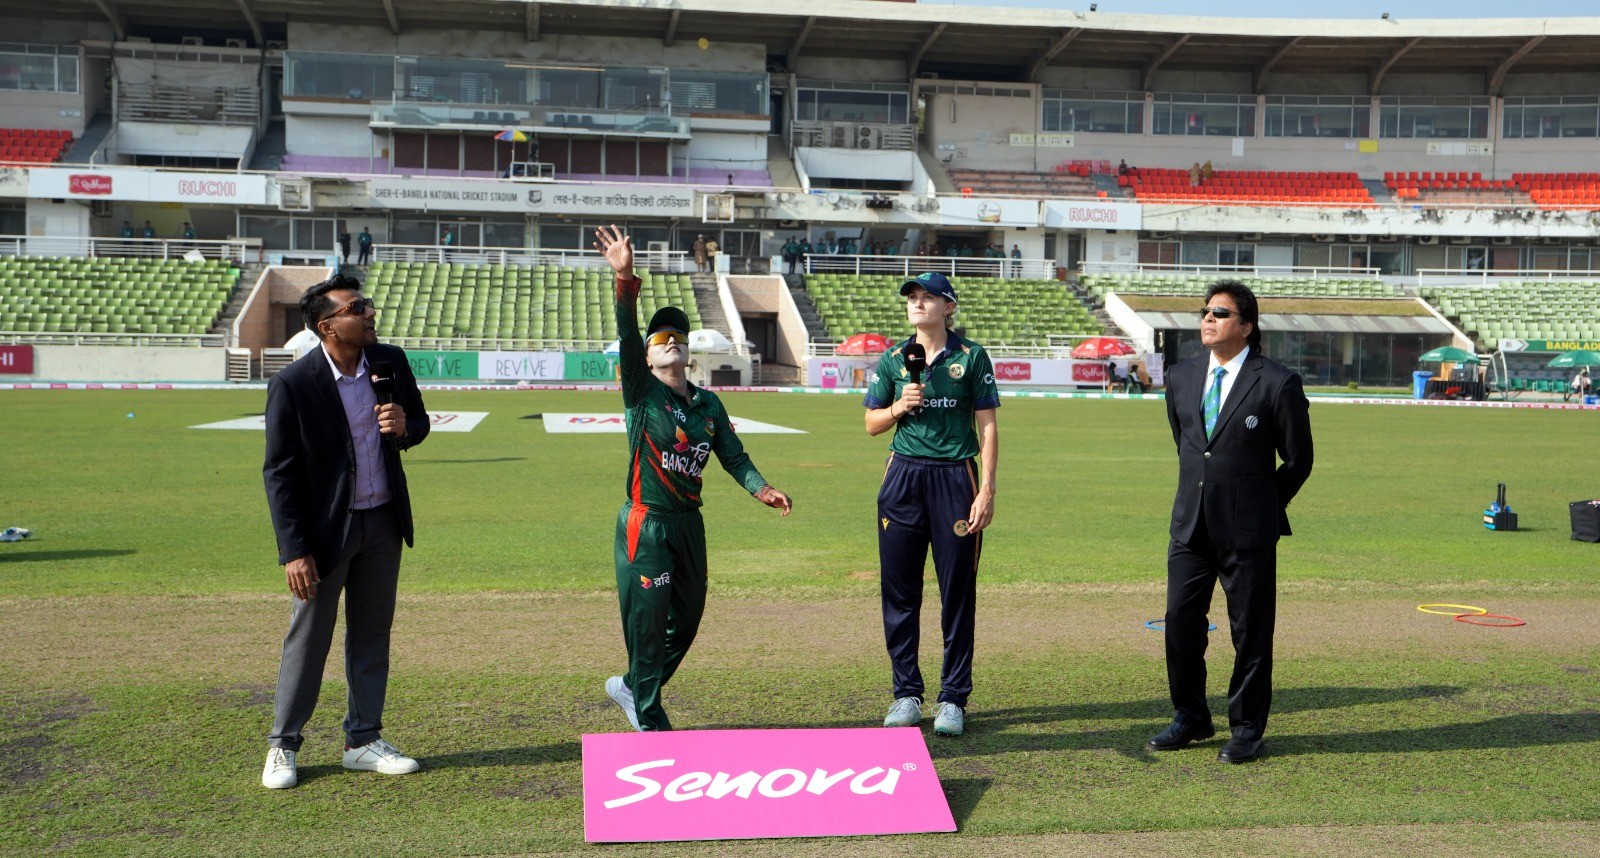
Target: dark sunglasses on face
[[358, 307], [661, 338], [1218, 313]]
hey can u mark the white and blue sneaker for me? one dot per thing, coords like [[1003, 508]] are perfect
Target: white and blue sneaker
[[951, 720], [904, 712], [619, 691]]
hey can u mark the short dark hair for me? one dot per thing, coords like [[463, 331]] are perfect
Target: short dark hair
[[315, 303], [1245, 300]]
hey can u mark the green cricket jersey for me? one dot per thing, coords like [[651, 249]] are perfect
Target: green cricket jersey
[[670, 439], [957, 382]]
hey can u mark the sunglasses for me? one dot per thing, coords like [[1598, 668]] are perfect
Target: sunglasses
[[661, 338], [1218, 313], [358, 308]]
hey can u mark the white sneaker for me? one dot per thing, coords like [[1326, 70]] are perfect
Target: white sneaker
[[905, 712], [951, 721], [280, 771], [619, 691], [379, 756]]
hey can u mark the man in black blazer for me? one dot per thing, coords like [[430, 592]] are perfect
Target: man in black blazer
[[340, 510], [1235, 414]]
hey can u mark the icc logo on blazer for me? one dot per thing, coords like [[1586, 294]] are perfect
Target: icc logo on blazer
[[1251, 422]]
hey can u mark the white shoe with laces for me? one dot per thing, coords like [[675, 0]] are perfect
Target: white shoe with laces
[[379, 756], [280, 771], [904, 712], [951, 721], [619, 691]]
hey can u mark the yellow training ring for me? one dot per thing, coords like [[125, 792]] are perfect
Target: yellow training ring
[[1456, 610]]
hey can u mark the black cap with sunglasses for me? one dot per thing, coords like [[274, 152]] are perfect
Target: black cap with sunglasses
[[668, 319]]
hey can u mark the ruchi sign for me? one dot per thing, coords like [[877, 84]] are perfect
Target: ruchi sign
[[736, 784]]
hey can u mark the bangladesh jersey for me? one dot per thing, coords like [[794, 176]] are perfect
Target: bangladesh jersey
[[670, 439], [957, 382]]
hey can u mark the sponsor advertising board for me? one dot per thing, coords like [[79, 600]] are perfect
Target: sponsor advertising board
[[1081, 214], [438, 421], [736, 784], [615, 423], [148, 185], [16, 360]]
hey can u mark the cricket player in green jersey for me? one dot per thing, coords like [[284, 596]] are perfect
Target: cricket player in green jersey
[[673, 429], [937, 490]]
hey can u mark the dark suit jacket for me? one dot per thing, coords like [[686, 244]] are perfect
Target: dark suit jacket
[[1235, 478], [311, 465]]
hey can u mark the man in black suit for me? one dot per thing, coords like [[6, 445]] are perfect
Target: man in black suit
[[1234, 413], [340, 509]]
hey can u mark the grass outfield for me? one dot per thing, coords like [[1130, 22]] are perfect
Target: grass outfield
[[142, 624]]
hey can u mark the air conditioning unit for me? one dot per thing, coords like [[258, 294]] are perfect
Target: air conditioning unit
[[1324, 238], [868, 137], [1501, 240], [276, 45], [788, 224], [193, 41], [1158, 236], [1552, 240], [237, 43], [1427, 239], [1461, 239], [1357, 239], [1250, 236]]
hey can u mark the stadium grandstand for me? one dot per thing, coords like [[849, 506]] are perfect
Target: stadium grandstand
[[1076, 171]]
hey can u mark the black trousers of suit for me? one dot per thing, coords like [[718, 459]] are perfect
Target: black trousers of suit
[[1249, 581], [368, 572]]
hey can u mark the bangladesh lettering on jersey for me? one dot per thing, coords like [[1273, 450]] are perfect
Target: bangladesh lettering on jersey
[[956, 383], [671, 440]]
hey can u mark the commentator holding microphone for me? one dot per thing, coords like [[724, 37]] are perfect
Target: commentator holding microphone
[[937, 392], [337, 420]]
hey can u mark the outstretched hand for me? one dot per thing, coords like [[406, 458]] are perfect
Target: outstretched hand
[[617, 247], [775, 499]]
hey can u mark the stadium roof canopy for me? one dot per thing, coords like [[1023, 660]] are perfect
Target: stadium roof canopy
[[954, 41]]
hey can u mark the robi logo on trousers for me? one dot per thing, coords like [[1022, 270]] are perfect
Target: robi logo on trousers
[[661, 580]]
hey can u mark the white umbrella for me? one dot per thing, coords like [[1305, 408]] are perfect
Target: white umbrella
[[708, 340]]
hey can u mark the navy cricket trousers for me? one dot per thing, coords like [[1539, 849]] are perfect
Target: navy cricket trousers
[[925, 502]]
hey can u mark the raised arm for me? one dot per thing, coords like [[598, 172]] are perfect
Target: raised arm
[[617, 247]]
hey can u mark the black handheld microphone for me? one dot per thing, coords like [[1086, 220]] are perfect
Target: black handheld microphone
[[383, 387], [916, 358]]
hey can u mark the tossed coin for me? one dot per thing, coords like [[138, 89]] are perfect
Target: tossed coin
[[961, 528]]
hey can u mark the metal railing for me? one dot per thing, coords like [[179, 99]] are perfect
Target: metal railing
[[1492, 278], [1313, 272], [650, 260], [910, 266], [234, 250], [81, 338]]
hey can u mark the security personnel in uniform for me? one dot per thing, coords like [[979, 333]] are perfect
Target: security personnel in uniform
[[673, 429], [932, 493]]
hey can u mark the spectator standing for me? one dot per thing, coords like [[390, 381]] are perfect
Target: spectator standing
[[1016, 261], [364, 242], [148, 231], [699, 254], [344, 246]]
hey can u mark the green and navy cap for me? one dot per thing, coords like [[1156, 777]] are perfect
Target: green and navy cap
[[669, 319], [935, 283]]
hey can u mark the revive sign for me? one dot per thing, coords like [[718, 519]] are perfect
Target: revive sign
[[736, 784]]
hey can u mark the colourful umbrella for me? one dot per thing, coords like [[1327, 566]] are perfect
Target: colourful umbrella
[[863, 344], [1095, 348], [512, 135]]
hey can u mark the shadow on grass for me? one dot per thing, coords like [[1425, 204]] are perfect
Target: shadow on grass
[[560, 752], [1527, 730], [963, 794], [79, 554]]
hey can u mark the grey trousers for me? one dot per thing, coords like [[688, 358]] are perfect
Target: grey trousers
[[367, 573]]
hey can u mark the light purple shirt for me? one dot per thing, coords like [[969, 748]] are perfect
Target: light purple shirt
[[355, 392]]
